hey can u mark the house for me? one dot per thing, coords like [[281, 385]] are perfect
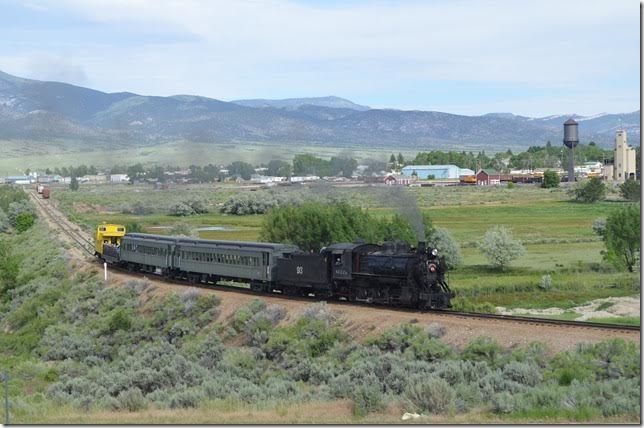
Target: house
[[488, 177], [397, 180]]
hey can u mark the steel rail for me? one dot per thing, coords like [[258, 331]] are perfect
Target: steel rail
[[439, 312], [65, 225]]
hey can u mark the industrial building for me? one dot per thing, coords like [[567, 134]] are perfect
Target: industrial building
[[623, 166], [437, 171]]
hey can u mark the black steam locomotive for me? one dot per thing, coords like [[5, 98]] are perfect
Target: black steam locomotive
[[392, 274], [389, 274]]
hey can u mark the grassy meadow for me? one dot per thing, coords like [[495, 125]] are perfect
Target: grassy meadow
[[557, 232], [16, 156]]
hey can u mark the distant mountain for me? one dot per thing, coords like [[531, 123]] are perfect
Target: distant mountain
[[37, 110], [296, 103]]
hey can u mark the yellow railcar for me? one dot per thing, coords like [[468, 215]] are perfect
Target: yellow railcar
[[108, 234]]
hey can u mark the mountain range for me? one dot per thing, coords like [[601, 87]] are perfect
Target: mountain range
[[41, 111]]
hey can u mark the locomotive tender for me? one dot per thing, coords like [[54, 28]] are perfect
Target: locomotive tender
[[388, 274]]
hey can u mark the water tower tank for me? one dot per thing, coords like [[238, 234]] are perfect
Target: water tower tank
[[571, 133]]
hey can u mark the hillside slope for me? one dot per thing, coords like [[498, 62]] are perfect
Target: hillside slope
[[36, 110]]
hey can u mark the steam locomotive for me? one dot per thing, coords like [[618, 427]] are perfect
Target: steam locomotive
[[394, 274]]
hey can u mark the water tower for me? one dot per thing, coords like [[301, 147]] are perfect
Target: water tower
[[570, 140]]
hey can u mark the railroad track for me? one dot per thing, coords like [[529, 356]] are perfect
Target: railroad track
[[441, 312], [88, 246], [65, 225]]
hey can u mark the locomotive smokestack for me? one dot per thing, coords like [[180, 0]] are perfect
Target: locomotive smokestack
[[422, 246]]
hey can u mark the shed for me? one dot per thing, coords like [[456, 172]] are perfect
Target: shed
[[488, 177]]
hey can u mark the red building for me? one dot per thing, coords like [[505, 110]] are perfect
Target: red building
[[397, 180], [488, 177]]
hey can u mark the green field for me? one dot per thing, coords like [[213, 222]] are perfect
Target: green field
[[557, 232], [17, 156]]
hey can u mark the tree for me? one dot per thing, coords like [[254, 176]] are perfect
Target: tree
[[278, 168], [401, 159], [446, 246], [591, 190], [392, 160], [135, 172], [343, 166], [73, 184], [313, 225], [621, 235], [241, 169], [550, 179], [630, 190], [500, 247]]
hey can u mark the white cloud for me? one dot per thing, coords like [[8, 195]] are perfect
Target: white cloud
[[259, 48]]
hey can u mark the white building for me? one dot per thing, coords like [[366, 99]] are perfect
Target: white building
[[304, 179], [624, 160], [436, 171], [119, 178]]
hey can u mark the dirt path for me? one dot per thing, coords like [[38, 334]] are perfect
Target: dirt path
[[364, 321]]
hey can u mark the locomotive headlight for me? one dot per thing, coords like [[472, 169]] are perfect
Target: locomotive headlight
[[434, 252]]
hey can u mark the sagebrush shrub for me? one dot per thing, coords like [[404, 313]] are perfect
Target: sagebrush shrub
[[435, 330], [432, 395], [185, 399], [132, 400], [523, 373]]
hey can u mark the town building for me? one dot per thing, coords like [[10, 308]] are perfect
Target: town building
[[436, 171], [119, 178], [46, 179], [488, 177], [397, 180], [20, 179], [623, 166]]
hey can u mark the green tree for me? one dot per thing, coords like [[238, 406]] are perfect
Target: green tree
[[241, 169], [621, 235], [401, 159], [278, 168], [446, 246], [135, 172], [313, 225], [630, 190], [73, 184], [591, 190], [500, 247], [550, 179], [392, 160], [343, 166]]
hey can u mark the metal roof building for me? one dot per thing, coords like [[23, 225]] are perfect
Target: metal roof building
[[438, 171]]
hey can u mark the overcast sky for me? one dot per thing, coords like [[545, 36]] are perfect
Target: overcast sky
[[459, 56]]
